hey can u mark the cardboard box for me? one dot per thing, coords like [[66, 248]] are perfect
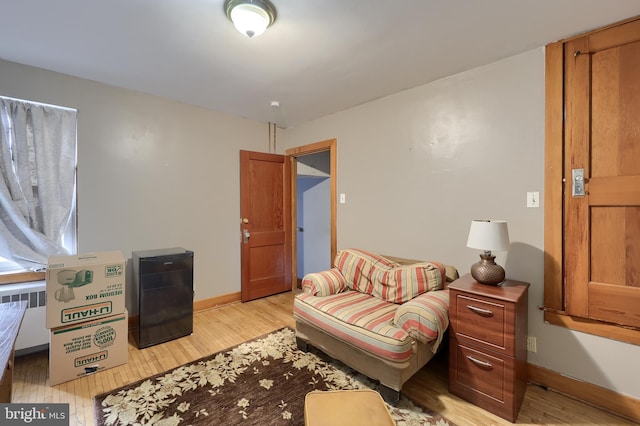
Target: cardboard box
[[86, 348], [85, 286]]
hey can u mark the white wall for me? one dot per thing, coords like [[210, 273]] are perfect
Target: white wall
[[314, 197], [418, 166], [152, 173]]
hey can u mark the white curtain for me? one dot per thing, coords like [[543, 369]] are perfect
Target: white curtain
[[37, 184]]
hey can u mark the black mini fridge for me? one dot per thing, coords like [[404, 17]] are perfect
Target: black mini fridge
[[164, 279]]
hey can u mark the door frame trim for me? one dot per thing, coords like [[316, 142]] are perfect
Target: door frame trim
[[330, 145]]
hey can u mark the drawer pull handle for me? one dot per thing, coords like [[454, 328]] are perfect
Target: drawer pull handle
[[478, 362], [480, 311]]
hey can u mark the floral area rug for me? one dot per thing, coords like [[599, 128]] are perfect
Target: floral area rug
[[260, 382]]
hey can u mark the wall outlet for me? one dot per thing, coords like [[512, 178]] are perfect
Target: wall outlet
[[531, 344]]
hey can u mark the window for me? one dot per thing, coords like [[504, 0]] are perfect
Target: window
[[11, 273], [38, 186], [7, 266], [592, 239]]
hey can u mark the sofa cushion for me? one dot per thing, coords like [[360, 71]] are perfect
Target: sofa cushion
[[425, 317], [357, 319], [324, 283], [355, 266], [401, 283]]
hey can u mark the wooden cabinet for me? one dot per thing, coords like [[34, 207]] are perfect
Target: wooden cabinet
[[488, 349]]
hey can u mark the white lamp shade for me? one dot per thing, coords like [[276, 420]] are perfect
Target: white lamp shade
[[489, 235], [250, 19]]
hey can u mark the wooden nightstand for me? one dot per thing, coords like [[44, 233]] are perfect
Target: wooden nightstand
[[487, 346]]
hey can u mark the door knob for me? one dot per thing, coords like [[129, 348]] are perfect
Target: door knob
[[578, 181], [245, 236]]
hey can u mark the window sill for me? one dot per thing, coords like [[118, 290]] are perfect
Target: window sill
[[598, 328], [21, 277]]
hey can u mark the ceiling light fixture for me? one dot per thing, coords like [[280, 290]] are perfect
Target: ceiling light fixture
[[250, 17]]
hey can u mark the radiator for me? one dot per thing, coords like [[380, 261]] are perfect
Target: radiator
[[33, 335]]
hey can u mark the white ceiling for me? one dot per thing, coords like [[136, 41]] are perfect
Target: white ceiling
[[320, 56]]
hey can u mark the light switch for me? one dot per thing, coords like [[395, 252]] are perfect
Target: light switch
[[533, 199], [343, 198]]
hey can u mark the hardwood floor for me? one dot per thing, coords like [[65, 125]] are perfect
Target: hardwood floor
[[219, 328]]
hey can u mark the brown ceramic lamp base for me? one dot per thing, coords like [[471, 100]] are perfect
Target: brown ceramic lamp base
[[487, 271]]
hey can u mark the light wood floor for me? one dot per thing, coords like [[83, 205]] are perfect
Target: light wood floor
[[222, 327]]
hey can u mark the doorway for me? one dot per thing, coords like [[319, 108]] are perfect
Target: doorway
[[313, 213], [313, 207]]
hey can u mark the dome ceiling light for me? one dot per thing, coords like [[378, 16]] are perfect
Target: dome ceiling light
[[250, 17]]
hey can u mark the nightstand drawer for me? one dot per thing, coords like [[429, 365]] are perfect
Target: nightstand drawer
[[485, 321], [484, 379]]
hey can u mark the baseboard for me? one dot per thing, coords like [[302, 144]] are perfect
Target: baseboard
[[225, 299], [591, 394], [199, 305]]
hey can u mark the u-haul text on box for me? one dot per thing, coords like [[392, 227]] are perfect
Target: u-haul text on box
[[86, 348]]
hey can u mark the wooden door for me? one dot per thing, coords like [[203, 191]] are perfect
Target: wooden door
[[265, 209], [602, 136]]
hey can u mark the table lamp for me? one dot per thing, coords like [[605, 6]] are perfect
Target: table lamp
[[488, 235]]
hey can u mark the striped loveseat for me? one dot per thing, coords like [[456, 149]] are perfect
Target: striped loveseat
[[385, 317]]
